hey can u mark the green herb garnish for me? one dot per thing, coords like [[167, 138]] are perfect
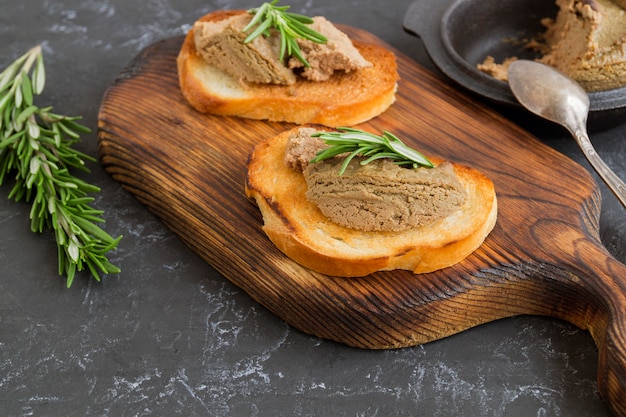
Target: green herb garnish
[[357, 142], [290, 26], [36, 144]]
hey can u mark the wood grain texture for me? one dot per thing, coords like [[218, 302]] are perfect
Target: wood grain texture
[[544, 256]]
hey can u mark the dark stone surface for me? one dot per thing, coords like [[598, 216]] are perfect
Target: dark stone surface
[[169, 336]]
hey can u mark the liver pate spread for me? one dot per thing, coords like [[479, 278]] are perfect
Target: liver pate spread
[[586, 40], [337, 53], [379, 196], [221, 44]]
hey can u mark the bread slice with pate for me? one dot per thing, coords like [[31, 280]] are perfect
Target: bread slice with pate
[[346, 98], [298, 228]]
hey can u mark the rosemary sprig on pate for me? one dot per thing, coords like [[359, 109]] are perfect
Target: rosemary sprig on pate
[[290, 26], [36, 145], [355, 142]]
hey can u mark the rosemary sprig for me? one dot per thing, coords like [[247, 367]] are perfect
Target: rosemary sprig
[[290, 26], [355, 142], [36, 145]]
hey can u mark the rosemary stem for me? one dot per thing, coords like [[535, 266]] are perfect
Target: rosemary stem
[[36, 145]]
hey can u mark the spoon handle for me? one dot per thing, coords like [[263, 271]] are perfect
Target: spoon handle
[[614, 183]]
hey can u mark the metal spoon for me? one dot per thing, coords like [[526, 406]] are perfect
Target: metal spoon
[[552, 95]]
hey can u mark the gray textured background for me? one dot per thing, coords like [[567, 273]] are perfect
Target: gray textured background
[[170, 337]]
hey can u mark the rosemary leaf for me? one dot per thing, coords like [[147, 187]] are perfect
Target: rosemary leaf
[[39, 75], [261, 29], [299, 17], [27, 90]]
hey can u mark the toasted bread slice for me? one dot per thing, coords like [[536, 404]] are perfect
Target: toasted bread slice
[[343, 100], [298, 228]]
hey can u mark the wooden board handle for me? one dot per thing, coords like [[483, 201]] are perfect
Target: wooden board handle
[[605, 320], [573, 277]]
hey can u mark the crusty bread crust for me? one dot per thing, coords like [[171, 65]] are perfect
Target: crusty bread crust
[[343, 100], [304, 234]]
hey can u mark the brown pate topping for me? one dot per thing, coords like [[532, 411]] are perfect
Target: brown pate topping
[[221, 44], [378, 196]]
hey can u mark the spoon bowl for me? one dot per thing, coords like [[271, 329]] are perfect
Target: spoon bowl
[[554, 96]]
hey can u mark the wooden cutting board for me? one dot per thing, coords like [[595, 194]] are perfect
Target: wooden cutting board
[[544, 256]]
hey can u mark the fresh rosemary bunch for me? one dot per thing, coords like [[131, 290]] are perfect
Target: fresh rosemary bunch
[[290, 26], [36, 145], [355, 142]]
